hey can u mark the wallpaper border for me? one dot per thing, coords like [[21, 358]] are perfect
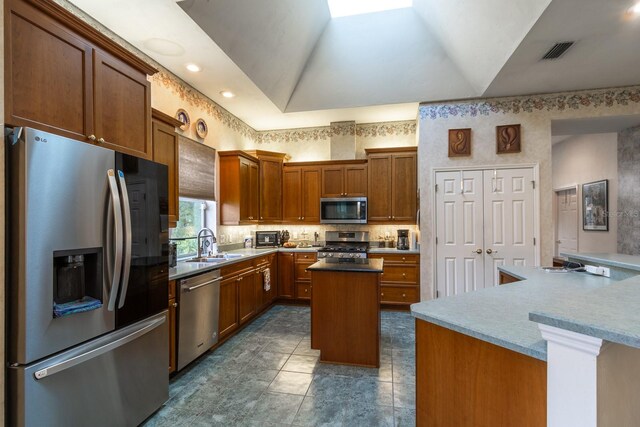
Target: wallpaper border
[[528, 104]]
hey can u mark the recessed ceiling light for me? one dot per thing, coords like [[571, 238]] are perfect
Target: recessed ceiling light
[[193, 68], [227, 94], [340, 8], [163, 47]]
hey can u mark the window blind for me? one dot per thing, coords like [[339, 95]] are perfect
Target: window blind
[[197, 170]]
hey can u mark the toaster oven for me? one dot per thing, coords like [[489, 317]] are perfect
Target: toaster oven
[[266, 239]]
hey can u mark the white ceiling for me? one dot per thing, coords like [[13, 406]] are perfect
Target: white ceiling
[[291, 65]]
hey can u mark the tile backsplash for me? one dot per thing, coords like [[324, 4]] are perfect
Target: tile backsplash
[[298, 232]]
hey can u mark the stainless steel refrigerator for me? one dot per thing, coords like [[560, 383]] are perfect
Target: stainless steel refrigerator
[[87, 283]]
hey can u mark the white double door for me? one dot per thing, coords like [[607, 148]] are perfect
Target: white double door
[[484, 219]]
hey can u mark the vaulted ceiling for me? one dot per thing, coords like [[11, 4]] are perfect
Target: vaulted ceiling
[[292, 65]]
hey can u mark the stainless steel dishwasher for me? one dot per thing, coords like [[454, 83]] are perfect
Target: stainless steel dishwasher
[[198, 317]]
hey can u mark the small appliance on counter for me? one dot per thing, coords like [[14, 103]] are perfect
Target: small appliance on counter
[[173, 254], [403, 240], [284, 236], [267, 239]]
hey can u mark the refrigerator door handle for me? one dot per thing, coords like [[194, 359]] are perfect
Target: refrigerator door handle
[[117, 213], [91, 354], [126, 209]]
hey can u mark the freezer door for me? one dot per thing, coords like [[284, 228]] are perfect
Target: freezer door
[[119, 379], [59, 196]]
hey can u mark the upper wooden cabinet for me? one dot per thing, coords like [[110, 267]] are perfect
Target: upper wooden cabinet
[[165, 151], [238, 188], [270, 185], [64, 77], [344, 179], [393, 174], [301, 194]]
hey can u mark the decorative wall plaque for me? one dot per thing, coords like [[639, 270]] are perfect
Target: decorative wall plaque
[[508, 139], [459, 142]]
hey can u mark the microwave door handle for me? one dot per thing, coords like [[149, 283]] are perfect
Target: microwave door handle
[[126, 209], [117, 216], [358, 212]]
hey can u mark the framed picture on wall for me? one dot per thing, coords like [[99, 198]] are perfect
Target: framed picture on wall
[[595, 206]]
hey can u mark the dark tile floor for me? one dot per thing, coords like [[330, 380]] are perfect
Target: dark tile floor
[[267, 375]]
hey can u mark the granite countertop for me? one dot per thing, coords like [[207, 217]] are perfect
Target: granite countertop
[[630, 262], [610, 313], [374, 250], [184, 269], [368, 266], [500, 315]]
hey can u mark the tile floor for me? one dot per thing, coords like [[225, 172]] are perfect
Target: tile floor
[[267, 375]]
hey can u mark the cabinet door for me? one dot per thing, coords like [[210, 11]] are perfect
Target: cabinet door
[[379, 208], [310, 195], [404, 187], [332, 181], [246, 296], [355, 180], [228, 318], [48, 75], [122, 106], [165, 151], [271, 190], [254, 196], [172, 335], [292, 194], [248, 190], [285, 274]]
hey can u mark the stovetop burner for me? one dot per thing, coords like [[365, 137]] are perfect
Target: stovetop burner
[[352, 244]]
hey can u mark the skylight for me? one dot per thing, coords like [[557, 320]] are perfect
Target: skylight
[[340, 8]]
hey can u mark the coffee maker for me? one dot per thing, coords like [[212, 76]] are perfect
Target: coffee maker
[[403, 240]]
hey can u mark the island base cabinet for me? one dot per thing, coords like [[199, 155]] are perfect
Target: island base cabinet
[[345, 317], [463, 381]]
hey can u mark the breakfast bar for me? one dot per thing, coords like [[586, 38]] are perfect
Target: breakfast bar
[[540, 349], [345, 310]]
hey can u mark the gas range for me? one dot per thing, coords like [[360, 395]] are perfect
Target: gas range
[[345, 244]]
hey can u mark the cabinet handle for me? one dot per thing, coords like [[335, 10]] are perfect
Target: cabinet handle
[[382, 294], [306, 256], [174, 305], [393, 217], [238, 279], [404, 274], [261, 218], [382, 274], [91, 137], [403, 258], [404, 295], [101, 140], [306, 291], [303, 218], [389, 216]]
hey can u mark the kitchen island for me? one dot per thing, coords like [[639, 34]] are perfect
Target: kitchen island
[[345, 311], [529, 352]]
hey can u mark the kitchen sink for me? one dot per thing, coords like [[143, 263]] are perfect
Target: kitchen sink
[[215, 258]]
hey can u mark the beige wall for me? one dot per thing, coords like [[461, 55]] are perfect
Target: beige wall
[[535, 114], [587, 158]]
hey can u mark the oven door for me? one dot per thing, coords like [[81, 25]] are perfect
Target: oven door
[[352, 210]]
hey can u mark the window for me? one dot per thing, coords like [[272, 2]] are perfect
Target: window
[[340, 8], [194, 215]]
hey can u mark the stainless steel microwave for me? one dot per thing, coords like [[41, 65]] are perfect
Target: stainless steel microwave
[[343, 210]]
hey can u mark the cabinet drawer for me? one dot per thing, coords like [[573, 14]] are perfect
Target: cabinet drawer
[[305, 257], [397, 258], [303, 290], [400, 273], [236, 268], [301, 272], [399, 294]]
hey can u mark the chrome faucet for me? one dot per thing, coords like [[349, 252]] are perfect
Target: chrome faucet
[[201, 244]]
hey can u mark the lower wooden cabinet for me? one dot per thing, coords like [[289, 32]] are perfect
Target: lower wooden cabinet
[[228, 317], [302, 277], [400, 284], [303, 291], [246, 296], [286, 275], [507, 278], [173, 305]]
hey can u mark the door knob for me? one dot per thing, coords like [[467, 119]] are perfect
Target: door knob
[[558, 241], [490, 251], [478, 251]]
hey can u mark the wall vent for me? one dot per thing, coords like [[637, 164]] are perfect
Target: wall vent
[[557, 50]]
